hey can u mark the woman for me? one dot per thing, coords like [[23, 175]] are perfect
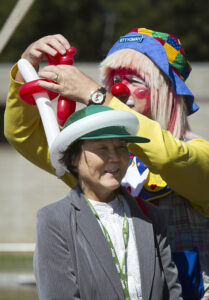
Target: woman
[[172, 170], [97, 243]]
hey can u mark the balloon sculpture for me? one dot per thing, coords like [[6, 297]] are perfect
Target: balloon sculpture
[[65, 106], [32, 93]]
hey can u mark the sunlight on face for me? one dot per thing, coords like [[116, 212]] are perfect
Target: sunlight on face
[[101, 166]]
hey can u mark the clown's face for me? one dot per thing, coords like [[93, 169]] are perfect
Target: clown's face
[[139, 97]]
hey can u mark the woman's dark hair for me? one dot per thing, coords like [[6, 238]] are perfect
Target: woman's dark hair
[[69, 156]]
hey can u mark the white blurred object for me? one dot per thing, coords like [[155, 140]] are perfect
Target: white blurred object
[[43, 102], [15, 17]]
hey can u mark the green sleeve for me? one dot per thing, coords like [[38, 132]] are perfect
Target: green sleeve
[[183, 165], [24, 131]]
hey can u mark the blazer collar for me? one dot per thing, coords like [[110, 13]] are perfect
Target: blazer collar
[[144, 240], [93, 233]]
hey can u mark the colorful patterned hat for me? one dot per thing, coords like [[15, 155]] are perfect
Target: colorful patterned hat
[[166, 51]]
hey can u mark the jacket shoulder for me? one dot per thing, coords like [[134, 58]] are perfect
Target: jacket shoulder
[[56, 213]]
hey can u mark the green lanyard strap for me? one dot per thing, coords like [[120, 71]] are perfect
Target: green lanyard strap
[[121, 271]]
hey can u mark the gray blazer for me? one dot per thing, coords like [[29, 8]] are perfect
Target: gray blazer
[[72, 259]]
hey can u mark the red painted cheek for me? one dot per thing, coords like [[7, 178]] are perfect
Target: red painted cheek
[[143, 94]]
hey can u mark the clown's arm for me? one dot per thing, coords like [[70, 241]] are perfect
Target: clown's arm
[[183, 165], [22, 124], [24, 130]]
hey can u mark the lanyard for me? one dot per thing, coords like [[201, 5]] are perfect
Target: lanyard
[[121, 270]]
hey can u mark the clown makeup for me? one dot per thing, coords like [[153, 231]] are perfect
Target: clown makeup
[[143, 94], [139, 97], [129, 78]]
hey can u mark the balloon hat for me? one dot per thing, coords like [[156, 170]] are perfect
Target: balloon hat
[[94, 122]]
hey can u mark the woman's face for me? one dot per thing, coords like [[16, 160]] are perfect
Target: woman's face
[[101, 166], [139, 98]]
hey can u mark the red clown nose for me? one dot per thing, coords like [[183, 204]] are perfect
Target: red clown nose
[[120, 90]]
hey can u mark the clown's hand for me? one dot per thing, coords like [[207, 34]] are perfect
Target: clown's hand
[[38, 51], [69, 82]]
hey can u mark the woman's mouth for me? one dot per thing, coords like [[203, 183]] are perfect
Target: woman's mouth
[[112, 171]]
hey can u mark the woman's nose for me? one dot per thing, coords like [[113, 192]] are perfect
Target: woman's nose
[[113, 155]]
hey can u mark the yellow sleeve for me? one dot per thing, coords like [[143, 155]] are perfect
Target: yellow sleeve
[[183, 165], [24, 131]]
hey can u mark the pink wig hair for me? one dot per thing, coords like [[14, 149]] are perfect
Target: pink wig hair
[[167, 108]]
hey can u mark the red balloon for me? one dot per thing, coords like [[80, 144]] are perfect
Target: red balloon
[[53, 60], [71, 50], [66, 60], [58, 59], [120, 90], [28, 89], [65, 107]]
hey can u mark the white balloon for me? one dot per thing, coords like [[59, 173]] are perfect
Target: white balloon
[[95, 121], [43, 103]]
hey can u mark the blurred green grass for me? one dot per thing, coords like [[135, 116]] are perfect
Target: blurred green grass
[[16, 263], [17, 294]]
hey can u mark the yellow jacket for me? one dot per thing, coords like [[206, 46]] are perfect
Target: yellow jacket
[[183, 165]]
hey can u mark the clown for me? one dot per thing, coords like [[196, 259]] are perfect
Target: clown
[[172, 170], [154, 79]]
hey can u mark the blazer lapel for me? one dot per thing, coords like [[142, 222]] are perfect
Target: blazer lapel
[[144, 240], [145, 245], [93, 233]]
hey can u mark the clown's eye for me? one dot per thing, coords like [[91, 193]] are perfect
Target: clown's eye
[[135, 80], [117, 79]]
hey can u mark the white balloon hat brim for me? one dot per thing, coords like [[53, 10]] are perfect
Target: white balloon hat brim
[[86, 125]]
